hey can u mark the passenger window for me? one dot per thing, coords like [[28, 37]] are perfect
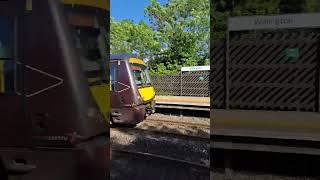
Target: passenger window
[[113, 77], [7, 64]]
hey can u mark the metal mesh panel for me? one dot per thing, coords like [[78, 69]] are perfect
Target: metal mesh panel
[[217, 75], [167, 85], [261, 76], [193, 84]]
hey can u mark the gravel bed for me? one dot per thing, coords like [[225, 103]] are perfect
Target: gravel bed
[[186, 148], [189, 119], [198, 131]]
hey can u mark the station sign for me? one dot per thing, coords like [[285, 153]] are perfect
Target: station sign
[[195, 68], [292, 53], [288, 21]]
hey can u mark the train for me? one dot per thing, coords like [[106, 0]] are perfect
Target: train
[[132, 92], [54, 90]]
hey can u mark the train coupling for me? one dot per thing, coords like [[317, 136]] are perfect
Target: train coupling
[[150, 109]]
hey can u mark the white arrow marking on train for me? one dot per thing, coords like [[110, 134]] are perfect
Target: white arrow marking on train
[[47, 74], [128, 87]]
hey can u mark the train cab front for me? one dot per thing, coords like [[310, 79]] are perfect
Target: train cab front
[[144, 85], [132, 92]]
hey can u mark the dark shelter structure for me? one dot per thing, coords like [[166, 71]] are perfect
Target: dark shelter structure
[[267, 63]]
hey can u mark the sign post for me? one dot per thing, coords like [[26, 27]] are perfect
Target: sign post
[[181, 83]]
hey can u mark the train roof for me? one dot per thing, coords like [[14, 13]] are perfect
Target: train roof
[[122, 56], [131, 57], [103, 4]]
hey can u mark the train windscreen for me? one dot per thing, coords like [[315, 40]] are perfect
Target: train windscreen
[[7, 63], [141, 75], [90, 39]]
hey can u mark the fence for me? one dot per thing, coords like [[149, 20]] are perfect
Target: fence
[[184, 84], [262, 74]]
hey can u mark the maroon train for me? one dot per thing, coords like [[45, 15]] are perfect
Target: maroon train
[[132, 92], [51, 125]]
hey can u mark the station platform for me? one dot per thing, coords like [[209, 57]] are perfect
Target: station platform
[[266, 131], [183, 100], [266, 124]]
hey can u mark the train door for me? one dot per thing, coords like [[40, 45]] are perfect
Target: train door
[[121, 94], [124, 85], [14, 128], [115, 101], [11, 113]]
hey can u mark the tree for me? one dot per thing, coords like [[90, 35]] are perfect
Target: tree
[[227, 8], [182, 28], [312, 6], [291, 6], [128, 37], [178, 35]]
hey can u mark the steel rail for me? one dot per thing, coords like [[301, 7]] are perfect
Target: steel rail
[[180, 123], [160, 157], [161, 133]]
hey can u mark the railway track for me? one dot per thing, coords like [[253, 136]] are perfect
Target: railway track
[[184, 109], [266, 158], [146, 132], [141, 165], [192, 149], [179, 123], [163, 141], [264, 165], [156, 156]]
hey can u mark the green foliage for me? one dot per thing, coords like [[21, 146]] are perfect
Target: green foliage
[[127, 37], [291, 6], [177, 36], [182, 28], [312, 6], [226, 8]]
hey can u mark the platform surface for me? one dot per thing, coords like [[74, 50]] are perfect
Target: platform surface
[[183, 100], [266, 124]]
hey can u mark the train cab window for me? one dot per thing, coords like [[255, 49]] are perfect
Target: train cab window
[[113, 77], [141, 75], [90, 57], [7, 64], [89, 36]]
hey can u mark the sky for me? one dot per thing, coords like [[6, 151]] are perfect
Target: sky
[[130, 9]]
